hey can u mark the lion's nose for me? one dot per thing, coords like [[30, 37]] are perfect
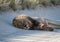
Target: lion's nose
[[26, 27]]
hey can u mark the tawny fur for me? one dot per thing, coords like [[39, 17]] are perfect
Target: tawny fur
[[23, 22], [26, 22]]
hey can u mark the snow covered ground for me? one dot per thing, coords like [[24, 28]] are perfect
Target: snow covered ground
[[9, 33]]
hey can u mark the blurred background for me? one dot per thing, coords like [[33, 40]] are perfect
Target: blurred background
[[26, 4]]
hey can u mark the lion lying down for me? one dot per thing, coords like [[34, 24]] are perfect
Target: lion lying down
[[31, 23]]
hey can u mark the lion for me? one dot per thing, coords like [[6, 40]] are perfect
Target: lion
[[30, 23], [23, 22]]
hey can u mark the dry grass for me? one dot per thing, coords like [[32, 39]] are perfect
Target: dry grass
[[28, 4]]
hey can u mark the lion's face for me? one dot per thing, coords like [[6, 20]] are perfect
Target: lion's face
[[22, 23]]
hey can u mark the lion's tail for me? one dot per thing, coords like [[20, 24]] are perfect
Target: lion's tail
[[54, 24]]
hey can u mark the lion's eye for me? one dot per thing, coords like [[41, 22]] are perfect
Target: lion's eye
[[24, 25]]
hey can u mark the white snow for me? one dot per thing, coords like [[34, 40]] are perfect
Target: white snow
[[9, 33]]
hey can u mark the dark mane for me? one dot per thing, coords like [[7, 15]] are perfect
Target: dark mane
[[35, 22]]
